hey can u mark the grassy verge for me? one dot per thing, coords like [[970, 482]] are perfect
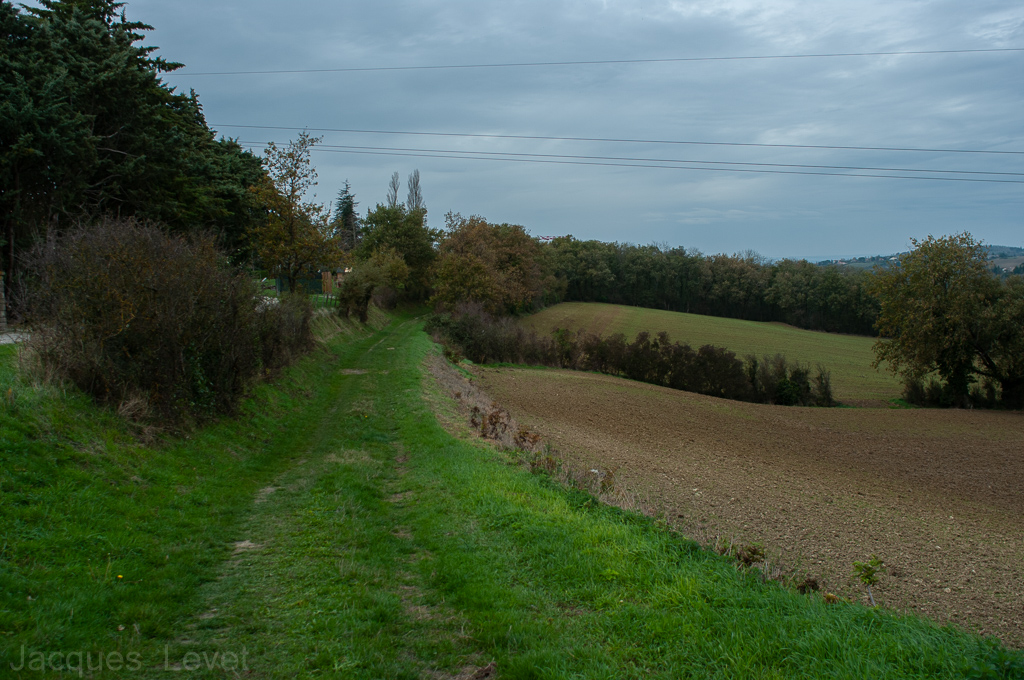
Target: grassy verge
[[335, 529]]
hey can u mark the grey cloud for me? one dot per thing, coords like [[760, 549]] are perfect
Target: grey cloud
[[959, 101]]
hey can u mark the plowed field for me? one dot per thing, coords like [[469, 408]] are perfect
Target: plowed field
[[936, 494]]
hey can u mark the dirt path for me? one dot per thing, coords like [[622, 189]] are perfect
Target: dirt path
[[935, 494]]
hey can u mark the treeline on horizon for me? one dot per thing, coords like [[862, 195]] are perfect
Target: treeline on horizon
[[741, 286]]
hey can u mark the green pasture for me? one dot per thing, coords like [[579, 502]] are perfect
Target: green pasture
[[848, 357]]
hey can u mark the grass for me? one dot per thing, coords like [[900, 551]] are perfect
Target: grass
[[336, 529], [848, 357]]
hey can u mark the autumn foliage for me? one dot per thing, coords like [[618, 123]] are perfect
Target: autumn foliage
[[499, 266], [295, 236]]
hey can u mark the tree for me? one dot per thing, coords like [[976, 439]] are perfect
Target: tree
[[942, 310], [346, 221], [87, 128], [295, 236], [498, 265], [406, 233], [393, 187], [384, 268], [415, 199]]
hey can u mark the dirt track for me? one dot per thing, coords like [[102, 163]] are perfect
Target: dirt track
[[936, 494]]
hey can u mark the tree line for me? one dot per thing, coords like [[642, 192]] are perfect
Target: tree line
[[742, 286]]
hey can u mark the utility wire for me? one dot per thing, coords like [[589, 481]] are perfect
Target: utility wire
[[614, 140], [663, 167], [660, 160], [524, 64]]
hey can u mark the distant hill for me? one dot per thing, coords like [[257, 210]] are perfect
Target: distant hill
[[1006, 258]]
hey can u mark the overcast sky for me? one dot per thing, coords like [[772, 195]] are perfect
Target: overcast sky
[[936, 101]]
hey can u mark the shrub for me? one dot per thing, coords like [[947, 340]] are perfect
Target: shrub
[[379, 276], [483, 338], [124, 311], [822, 389]]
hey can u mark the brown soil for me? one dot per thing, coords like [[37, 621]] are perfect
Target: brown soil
[[936, 494]]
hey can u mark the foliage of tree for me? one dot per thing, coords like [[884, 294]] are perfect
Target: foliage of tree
[[404, 231], [393, 187], [385, 268], [497, 265], [87, 127], [942, 310], [415, 198], [296, 236], [345, 222], [470, 331], [741, 286]]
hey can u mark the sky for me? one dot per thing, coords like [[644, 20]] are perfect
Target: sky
[[953, 101]]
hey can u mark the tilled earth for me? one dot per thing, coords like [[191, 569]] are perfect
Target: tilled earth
[[936, 494]]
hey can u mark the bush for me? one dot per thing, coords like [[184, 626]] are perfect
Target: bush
[[378, 277], [483, 338], [124, 311]]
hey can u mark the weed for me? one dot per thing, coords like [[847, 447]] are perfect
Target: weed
[[608, 480], [808, 585], [868, 572], [749, 555]]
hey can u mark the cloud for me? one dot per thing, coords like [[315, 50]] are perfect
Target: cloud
[[937, 101]]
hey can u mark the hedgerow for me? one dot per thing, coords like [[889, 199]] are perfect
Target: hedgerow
[[471, 332], [129, 313]]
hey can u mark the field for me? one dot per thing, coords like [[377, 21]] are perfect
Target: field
[[935, 494], [848, 357]]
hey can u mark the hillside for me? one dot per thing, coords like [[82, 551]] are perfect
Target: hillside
[[335, 528], [848, 357], [1003, 257]]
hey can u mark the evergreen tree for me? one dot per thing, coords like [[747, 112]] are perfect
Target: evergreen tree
[[87, 127], [345, 221]]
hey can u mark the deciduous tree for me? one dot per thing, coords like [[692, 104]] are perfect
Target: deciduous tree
[[943, 311], [404, 231], [296, 235], [498, 265]]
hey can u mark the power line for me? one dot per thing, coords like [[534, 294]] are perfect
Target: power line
[[663, 167], [664, 160], [598, 62], [614, 140]]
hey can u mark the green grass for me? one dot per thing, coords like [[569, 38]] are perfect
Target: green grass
[[380, 546], [848, 357]]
